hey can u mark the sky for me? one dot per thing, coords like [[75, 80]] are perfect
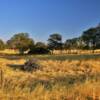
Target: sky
[[40, 18]]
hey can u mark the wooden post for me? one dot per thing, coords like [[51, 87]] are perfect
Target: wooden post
[[1, 78]]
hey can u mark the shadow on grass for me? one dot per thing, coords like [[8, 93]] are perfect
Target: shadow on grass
[[10, 56], [16, 66]]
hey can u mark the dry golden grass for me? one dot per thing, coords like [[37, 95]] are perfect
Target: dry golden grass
[[56, 80], [76, 51], [9, 51]]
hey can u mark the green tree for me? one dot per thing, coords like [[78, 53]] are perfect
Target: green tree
[[40, 48], [55, 42], [21, 41], [72, 43], [98, 37], [89, 37], [2, 45], [40, 45]]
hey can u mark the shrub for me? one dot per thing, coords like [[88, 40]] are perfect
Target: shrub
[[31, 65], [39, 50]]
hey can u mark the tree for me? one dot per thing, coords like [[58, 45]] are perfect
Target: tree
[[55, 42], [98, 37], [68, 44], [40, 48], [89, 38], [40, 45], [72, 43], [79, 43], [2, 45], [21, 41]]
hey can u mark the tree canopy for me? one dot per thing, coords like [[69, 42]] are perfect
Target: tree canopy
[[21, 41], [2, 45], [55, 41], [90, 39]]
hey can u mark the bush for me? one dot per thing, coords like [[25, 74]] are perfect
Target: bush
[[39, 50], [31, 65]]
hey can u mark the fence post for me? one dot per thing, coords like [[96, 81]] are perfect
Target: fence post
[[1, 78]]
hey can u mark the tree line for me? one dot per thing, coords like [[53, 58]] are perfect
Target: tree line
[[89, 40]]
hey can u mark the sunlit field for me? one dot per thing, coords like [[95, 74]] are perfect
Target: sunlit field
[[57, 79], [50, 50]]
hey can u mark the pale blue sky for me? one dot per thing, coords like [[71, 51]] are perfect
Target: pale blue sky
[[40, 18]]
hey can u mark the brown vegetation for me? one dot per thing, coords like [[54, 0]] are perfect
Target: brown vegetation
[[56, 80]]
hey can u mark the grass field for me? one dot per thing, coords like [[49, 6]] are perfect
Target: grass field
[[60, 77], [67, 57], [52, 57]]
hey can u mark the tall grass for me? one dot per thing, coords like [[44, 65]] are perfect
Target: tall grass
[[56, 80]]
